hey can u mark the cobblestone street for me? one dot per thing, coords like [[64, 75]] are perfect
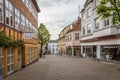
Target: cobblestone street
[[54, 67]]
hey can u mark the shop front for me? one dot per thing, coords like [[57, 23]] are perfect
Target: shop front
[[110, 52], [89, 51]]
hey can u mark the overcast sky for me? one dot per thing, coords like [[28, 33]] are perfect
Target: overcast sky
[[56, 14]]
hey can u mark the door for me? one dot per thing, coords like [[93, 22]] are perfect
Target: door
[[19, 58]]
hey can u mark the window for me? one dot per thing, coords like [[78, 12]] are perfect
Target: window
[[89, 29], [27, 3], [22, 23], [97, 2], [76, 36], [53, 45], [106, 22], [17, 19], [89, 12], [84, 17], [70, 37], [31, 8], [23, 1], [97, 20], [83, 30], [1, 11], [9, 14], [27, 25], [10, 60]]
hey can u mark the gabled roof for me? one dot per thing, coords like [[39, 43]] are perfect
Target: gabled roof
[[77, 26]]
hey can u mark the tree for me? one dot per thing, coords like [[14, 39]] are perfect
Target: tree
[[43, 37], [113, 10]]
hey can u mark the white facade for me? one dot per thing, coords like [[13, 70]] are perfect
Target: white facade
[[52, 47], [101, 38]]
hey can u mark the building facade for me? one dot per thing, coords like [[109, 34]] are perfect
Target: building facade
[[99, 36], [52, 47], [73, 39], [61, 43], [19, 21], [69, 39]]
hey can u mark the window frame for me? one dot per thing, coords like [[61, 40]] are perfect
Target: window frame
[[89, 12], [89, 28], [1, 17]]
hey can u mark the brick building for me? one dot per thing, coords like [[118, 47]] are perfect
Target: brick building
[[18, 19]]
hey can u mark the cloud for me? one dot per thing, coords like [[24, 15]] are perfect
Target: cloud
[[56, 14]]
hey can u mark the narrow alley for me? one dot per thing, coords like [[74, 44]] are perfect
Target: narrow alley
[[54, 67]]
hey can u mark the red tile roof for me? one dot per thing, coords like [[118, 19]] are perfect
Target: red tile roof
[[77, 26]]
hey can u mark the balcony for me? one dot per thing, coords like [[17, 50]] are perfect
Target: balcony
[[106, 31]]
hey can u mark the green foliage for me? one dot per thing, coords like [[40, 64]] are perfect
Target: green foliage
[[43, 37], [43, 34], [6, 41], [113, 10], [16, 43]]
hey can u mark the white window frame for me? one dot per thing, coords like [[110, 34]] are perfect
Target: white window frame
[[97, 23], [89, 28], [17, 19], [89, 12], [1, 13], [9, 13], [106, 22], [77, 36], [10, 64]]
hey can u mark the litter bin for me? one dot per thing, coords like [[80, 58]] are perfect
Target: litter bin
[[1, 73]]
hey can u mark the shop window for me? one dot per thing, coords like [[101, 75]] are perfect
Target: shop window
[[10, 65]]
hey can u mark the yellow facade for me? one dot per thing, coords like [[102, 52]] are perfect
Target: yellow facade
[[29, 53], [13, 59]]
